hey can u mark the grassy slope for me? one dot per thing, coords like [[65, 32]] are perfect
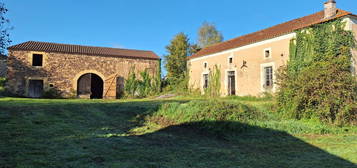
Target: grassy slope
[[95, 133]]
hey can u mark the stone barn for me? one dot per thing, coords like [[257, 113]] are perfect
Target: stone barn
[[3, 67], [74, 70]]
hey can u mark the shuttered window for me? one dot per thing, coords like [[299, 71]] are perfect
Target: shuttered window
[[268, 76]]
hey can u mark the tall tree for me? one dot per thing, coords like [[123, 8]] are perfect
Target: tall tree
[[208, 35], [178, 50], [4, 34]]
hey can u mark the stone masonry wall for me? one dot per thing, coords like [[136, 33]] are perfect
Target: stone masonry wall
[[62, 71]]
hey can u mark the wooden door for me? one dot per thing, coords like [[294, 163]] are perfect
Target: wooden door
[[35, 89], [231, 83], [84, 85]]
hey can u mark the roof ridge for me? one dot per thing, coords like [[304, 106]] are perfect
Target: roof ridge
[[300, 20], [79, 46], [82, 49]]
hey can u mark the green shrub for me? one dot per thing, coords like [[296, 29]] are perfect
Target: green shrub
[[2, 85], [52, 93], [317, 82], [141, 87], [145, 85], [214, 116], [131, 84]]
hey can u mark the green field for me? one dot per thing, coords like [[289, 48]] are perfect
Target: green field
[[166, 133]]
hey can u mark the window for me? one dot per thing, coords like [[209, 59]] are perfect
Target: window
[[268, 72], [267, 53], [205, 65], [230, 60], [37, 59], [205, 81]]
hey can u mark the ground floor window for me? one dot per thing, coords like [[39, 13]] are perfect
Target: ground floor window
[[205, 81], [231, 83], [268, 77], [35, 88]]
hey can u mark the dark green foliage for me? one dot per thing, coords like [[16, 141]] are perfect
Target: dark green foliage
[[2, 82], [2, 85], [157, 80], [52, 93], [131, 84], [4, 29], [178, 50], [317, 82], [227, 116], [145, 87]]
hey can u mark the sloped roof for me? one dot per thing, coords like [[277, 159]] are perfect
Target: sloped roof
[[85, 50], [269, 33]]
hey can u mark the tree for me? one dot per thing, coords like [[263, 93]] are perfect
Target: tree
[[208, 35], [178, 50], [4, 34]]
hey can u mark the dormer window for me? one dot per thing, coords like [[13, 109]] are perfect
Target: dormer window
[[37, 60], [267, 53]]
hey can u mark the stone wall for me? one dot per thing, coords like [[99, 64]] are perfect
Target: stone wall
[[3, 66], [62, 71]]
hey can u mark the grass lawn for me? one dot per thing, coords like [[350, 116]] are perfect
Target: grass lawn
[[117, 133]]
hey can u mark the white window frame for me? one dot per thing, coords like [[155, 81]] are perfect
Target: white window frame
[[262, 76], [270, 53], [203, 81], [230, 57]]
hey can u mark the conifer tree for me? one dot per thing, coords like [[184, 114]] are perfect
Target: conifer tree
[[178, 50]]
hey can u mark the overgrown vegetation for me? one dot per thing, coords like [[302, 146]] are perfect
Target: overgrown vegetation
[[227, 116], [214, 83], [317, 82], [2, 85], [141, 87], [52, 93]]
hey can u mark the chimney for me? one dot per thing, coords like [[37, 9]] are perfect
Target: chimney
[[330, 9]]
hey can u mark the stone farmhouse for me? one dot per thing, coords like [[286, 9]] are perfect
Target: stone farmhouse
[[249, 63], [3, 68], [74, 70]]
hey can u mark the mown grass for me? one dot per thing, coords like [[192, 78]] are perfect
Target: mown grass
[[123, 133]]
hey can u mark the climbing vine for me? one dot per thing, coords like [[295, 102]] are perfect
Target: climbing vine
[[317, 81], [214, 83]]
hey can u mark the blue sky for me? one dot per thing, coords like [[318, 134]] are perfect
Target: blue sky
[[148, 24]]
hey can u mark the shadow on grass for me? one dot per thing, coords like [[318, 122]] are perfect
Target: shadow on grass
[[78, 133], [242, 145]]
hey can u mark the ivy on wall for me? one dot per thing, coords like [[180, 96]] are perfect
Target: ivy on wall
[[317, 81]]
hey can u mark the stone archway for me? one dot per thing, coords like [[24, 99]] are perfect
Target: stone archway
[[90, 85]]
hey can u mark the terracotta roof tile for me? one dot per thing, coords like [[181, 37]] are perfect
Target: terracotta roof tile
[[269, 33], [85, 50]]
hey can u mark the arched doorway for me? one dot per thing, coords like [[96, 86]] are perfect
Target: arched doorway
[[90, 85]]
